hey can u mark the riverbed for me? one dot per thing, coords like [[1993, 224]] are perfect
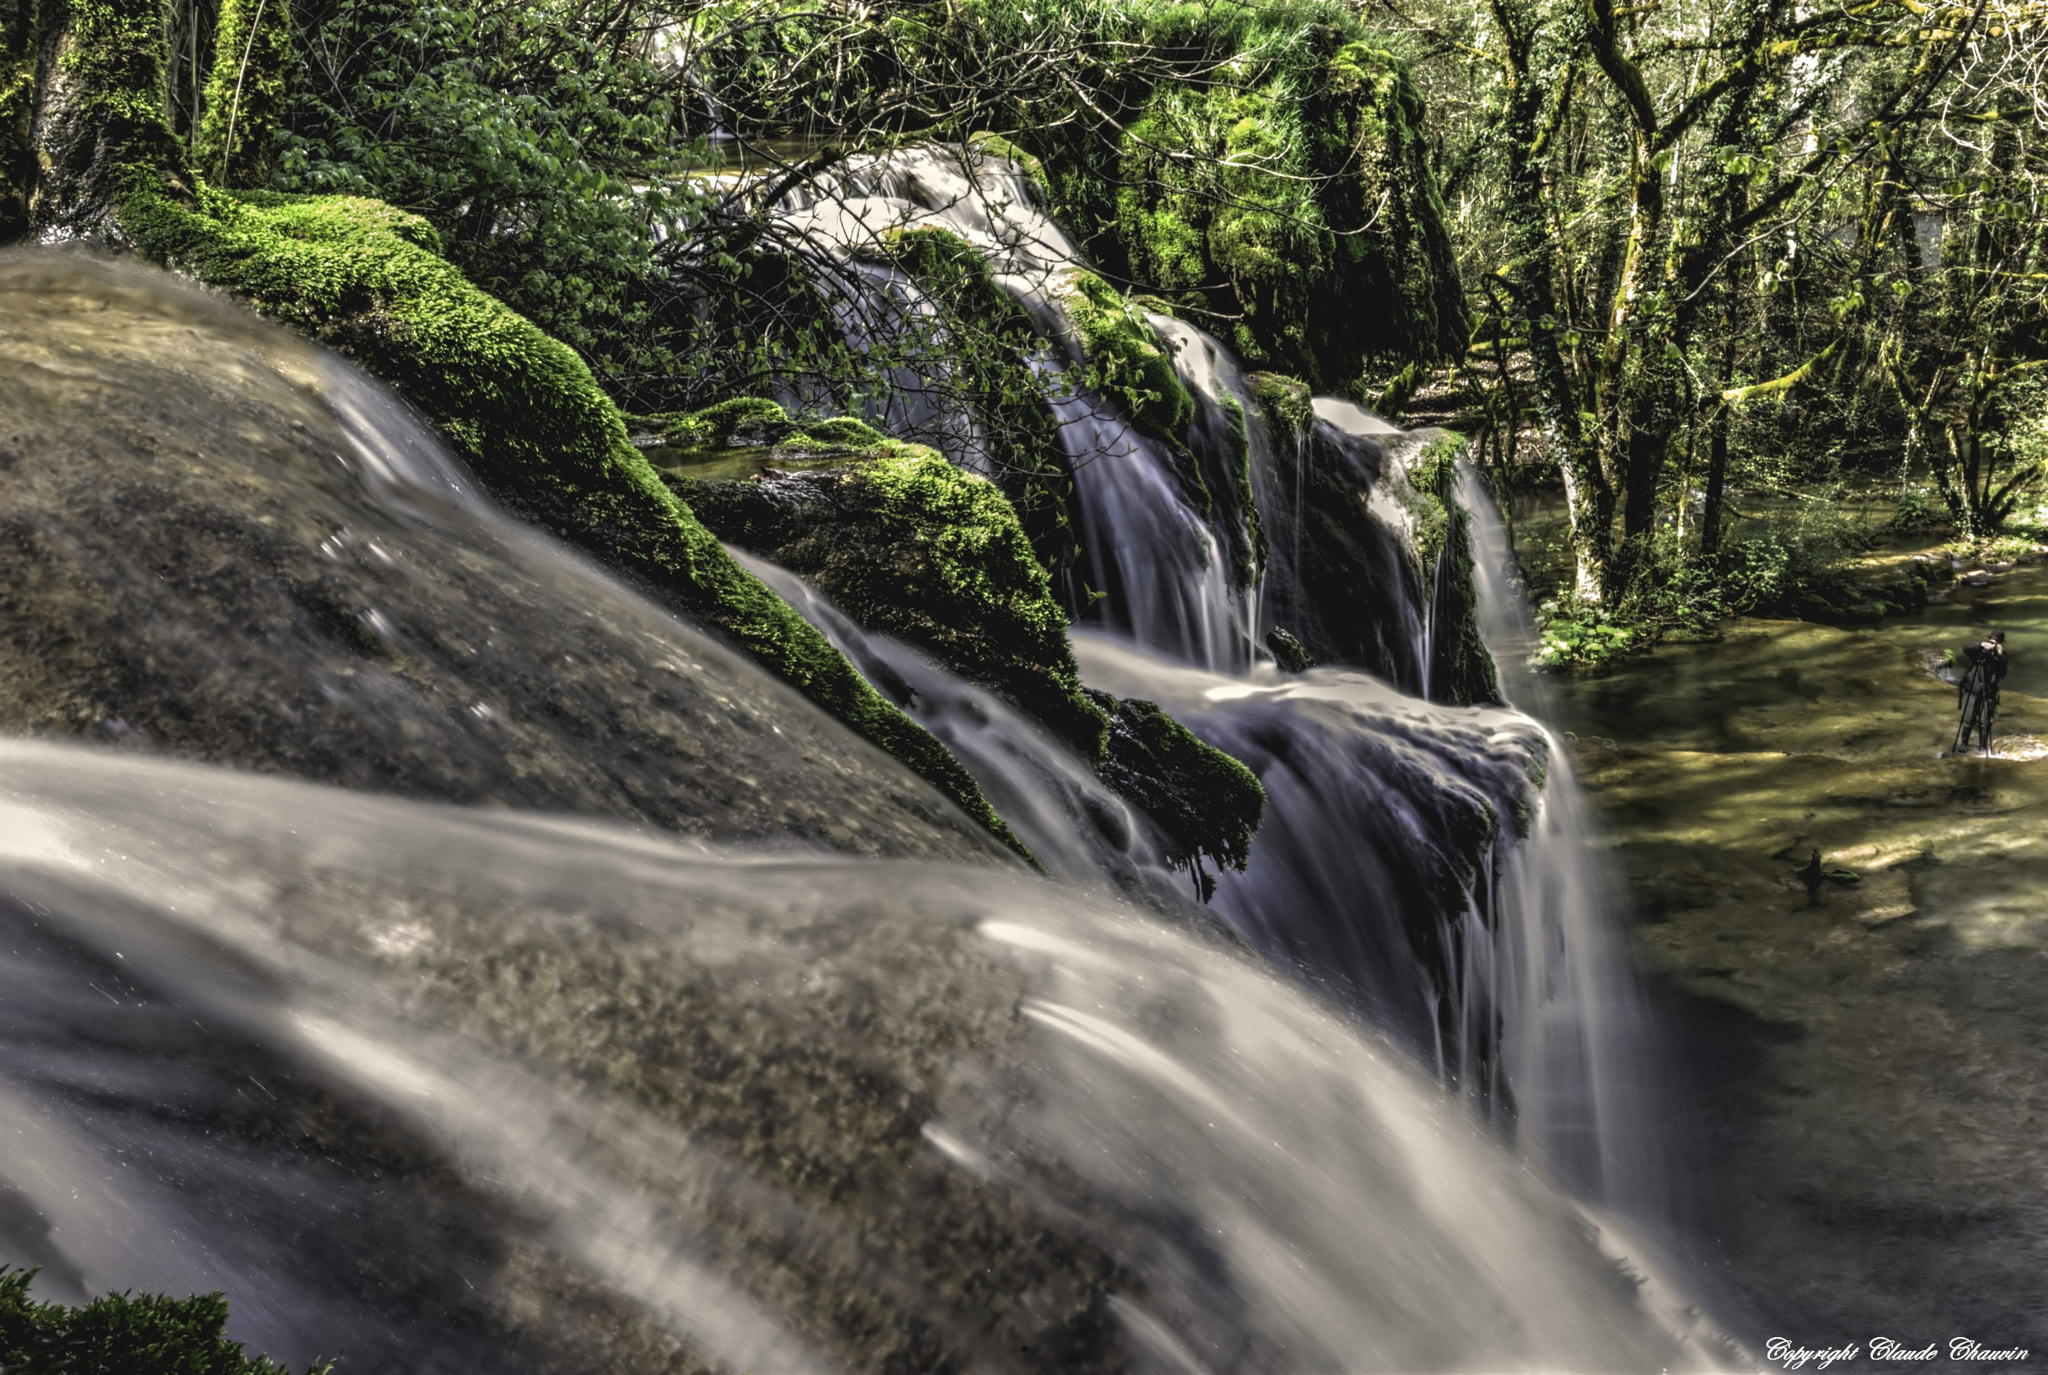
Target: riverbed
[[1867, 1064]]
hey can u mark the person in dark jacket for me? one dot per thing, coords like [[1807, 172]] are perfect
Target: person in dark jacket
[[1977, 693]]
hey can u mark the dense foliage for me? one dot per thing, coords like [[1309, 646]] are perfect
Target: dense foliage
[[119, 1334], [1743, 256]]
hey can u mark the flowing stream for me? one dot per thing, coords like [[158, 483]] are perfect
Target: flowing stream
[[436, 1088]]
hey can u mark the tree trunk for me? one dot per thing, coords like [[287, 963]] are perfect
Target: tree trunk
[[17, 110], [98, 125], [1717, 484]]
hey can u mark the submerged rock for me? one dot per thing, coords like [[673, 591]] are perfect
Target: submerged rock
[[209, 546], [1207, 803]]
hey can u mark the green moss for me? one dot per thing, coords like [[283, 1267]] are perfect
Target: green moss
[[1206, 802], [521, 406], [714, 426], [993, 341], [841, 431], [133, 1334], [1286, 401], [1126, 360], [995, 145], [103, 130], [245, 92], [910, 546]]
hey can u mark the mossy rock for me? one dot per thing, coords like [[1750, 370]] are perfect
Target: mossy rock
[[370, 281], [187, 566], [750, 422], [1208, 804], [994, 342], [911, 546], [997, 146], [135, 1334], [524, 410], [1287, 403], [1126, 359]]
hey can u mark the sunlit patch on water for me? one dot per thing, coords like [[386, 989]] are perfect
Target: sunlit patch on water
[[2019, 747]]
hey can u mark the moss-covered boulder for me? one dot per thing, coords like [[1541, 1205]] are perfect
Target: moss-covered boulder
[[523, 409], [991, 345], [190, 564], [911, 546], [1126, 360], [1287, 403], [370, 281], [1208, 804]]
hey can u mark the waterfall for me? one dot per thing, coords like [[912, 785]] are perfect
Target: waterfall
[[443, 1088], [1506, 980], [1157, 561], [1579, 1038], [430, 1088], [1079, 830]]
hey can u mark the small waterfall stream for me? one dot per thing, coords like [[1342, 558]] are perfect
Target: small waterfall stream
[[1507, 982], [1581, 1040], [1164, 578]]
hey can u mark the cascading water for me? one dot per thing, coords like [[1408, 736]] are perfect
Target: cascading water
[[1076, 827], [1163, 573], [426, 1088], [435, 1089], [1504, 980], [1579, 1035]]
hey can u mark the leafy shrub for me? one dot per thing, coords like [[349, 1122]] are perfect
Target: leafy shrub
[[1576, 634], [1919, 508], [120, 1334], [546, 158]]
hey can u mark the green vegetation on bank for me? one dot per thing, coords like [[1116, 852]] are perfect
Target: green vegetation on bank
[[120, 1334], [1283, 195]]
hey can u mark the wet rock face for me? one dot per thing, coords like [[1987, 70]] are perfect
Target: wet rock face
[[1348, 588], [195, 557]]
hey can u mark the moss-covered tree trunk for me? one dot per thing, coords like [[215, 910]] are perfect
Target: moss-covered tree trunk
[[96, 126], [242, 107], [17, 108]]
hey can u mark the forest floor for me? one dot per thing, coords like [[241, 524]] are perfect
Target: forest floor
[[1866, 1122]]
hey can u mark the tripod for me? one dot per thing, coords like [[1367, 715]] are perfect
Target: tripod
[[1977, 708]]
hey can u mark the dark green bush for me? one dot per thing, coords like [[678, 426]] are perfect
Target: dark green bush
[[120, 1334]]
